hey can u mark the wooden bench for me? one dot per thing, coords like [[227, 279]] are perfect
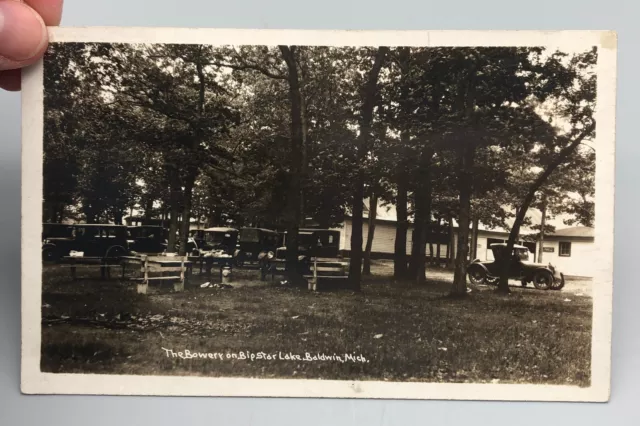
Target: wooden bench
[[319, 270], [158, 264]]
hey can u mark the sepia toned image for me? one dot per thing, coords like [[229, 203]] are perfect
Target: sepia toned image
[[326, 219]]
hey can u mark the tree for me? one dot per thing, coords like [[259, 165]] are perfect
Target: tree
[[573, 88], [366, 118]]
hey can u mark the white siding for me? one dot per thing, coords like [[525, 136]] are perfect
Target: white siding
[[384, 237], [582, 262]]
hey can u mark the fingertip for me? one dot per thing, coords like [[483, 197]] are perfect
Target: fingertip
[[49, 10], [23, 35]]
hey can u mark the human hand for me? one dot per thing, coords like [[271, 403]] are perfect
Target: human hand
[[23, 35]]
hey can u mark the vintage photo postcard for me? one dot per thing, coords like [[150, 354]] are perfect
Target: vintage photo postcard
[[327, 214]]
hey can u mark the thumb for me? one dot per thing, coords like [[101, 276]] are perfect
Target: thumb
[[23, 35]]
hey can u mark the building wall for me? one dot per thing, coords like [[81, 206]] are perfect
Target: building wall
[[577, 264], [384, 239], [581, 261]]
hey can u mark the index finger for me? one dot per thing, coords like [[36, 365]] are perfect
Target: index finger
[[49, 10]]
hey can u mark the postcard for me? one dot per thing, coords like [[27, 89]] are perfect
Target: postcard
[[319, 214]]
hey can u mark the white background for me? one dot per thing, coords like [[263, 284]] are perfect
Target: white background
[[331, 14]]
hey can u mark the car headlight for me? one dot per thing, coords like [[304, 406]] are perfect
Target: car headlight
[[270, 255]]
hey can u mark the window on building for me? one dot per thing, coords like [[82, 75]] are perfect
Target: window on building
[[565, 248]]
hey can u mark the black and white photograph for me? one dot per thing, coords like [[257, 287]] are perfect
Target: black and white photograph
[[333, 214]]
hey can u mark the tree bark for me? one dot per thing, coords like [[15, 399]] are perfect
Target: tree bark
[[563, 155], [465, 164], [438, 249], [369, 98], [400, 270], [373, 211], [293, 215], [415, 239], [186, 213], [173, 218], [474, 239], [402, 227], [543, 221], [451, 248], [422, 221]]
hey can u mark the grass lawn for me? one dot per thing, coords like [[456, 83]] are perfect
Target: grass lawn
[[404, 332]]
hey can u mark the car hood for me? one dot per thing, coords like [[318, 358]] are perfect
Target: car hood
[[541, 265]]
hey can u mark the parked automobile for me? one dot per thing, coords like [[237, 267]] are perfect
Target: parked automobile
[[543, 277], [55, 230], [222, 241], [147, 238], [255, 244], [319, 247], [91, 240]]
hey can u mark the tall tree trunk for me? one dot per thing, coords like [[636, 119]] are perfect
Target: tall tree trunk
[[543, 221], [355, 266], [173, 215], [465, 164], [400, 271], [373, 211], [304, 166], [474, 238], [293, 215], [425, 216], [186, 212], [563, 155], [451, 248], [415, 237], [402, 227], [438, 252]]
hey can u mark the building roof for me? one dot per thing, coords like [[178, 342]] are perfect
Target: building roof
[[576, 231], [387, 212]]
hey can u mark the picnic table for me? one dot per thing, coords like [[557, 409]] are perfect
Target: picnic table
[[149, 265], [206, 263]]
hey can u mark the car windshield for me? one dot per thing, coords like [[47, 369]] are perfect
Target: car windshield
[[216, 237], [522, 254], [249, 236]]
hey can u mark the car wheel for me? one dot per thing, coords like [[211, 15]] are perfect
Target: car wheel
[[558, 284], [115, 252], [524, 282], [493, 280], [477, 275], [543, 280], [240, 261], [49, 255]]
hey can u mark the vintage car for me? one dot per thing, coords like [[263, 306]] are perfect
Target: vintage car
[[147, 239], [256, 245], [543, 277], [219, 241], [88, 240], [317, 248], [55, 230]]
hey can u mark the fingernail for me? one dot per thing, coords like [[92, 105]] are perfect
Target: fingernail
[[22, 32]]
